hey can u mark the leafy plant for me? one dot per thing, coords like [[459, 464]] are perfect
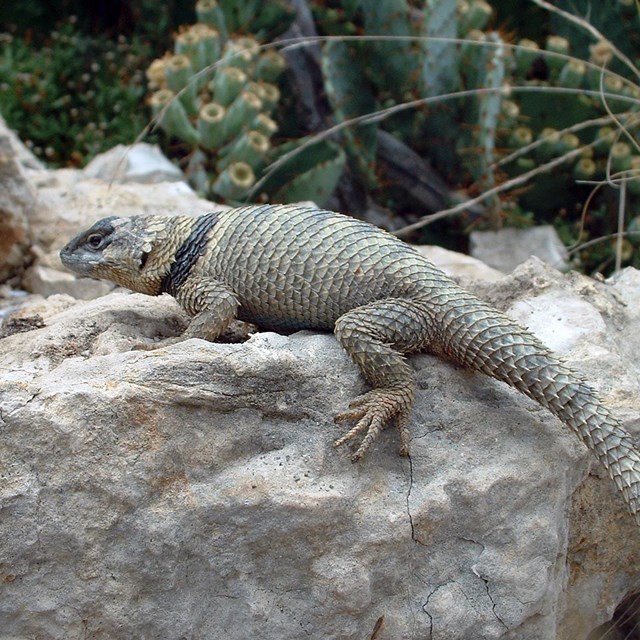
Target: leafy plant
[[73, 97]]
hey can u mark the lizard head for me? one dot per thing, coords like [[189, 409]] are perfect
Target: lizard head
[[120, 250]]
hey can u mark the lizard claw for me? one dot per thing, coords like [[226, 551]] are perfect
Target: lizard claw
[[374, 411]]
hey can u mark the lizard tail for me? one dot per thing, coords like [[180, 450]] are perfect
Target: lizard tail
[[479, 338]]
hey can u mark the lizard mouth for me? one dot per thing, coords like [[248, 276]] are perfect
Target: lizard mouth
[[82, 265]]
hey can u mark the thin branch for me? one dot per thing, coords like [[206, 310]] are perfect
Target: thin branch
[[505, 186], [382, 114], [622, 196], [590, 29]]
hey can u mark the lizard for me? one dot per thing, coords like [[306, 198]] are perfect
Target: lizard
[[290, 267]]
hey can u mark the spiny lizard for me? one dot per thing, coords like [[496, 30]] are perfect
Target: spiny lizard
[[290, 267]]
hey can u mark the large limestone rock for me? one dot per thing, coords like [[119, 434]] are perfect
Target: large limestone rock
[[505, 249], [192, 491], [17, 201]]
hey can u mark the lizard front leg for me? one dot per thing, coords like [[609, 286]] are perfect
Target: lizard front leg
[[212, 305], [376, 336]]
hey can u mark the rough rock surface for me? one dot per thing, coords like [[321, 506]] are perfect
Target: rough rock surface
[[505, 249], [17, 200], [25, 156], [192, 491]]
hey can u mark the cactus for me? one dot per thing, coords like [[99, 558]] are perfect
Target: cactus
[[311, 174], [264, 19], [393, 61], [172, 116], [232, 117], [222, 114], [234, 182], [489, 111], [211, 126], [440, 73], [351, 95]]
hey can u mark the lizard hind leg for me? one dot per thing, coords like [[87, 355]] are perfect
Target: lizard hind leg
[[376, 336]]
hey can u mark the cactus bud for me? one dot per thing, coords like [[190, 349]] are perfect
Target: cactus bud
[[179, 73], [265, 125], [573, 73], [251, 147], [600, 53], [633, 183], [234, 55], [249, 44], [605, 137], [241, 112], [521, 137], [474, 15], [560, 45], [568, 142], [156, 74], [270, 66], [510, 113], [525, 53], [584, 169], [201, 44], [235, 181], [227, 84], [211, 125], [172, 117], [269, 94], [549, 144], [620, 157], [210, 13], [186, 44]]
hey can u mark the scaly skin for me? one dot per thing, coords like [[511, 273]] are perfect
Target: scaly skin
[[288, 268]]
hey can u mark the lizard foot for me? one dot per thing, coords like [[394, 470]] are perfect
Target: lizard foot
[[374, 411]]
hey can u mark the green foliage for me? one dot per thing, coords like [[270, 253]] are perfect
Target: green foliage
[[74, 97], [568, 127], [524, 106], [411, 55]]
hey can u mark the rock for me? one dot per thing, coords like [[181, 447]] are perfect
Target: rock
[[505, 249], [193, 492], [17, 200], [458, 265], [24, 155], [141, 163], [47, 281]]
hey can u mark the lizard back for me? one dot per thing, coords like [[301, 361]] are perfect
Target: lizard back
[[293, 267]]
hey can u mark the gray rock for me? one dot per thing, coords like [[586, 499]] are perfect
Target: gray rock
[[25, 157], [193, 492], [17, 200], [141, 163], [505, 249], [458, 265], [46, 281]]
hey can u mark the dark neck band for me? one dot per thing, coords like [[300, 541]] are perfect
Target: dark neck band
[[188, 253]]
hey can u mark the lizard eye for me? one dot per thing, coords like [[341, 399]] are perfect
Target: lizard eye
[[95, 240]]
